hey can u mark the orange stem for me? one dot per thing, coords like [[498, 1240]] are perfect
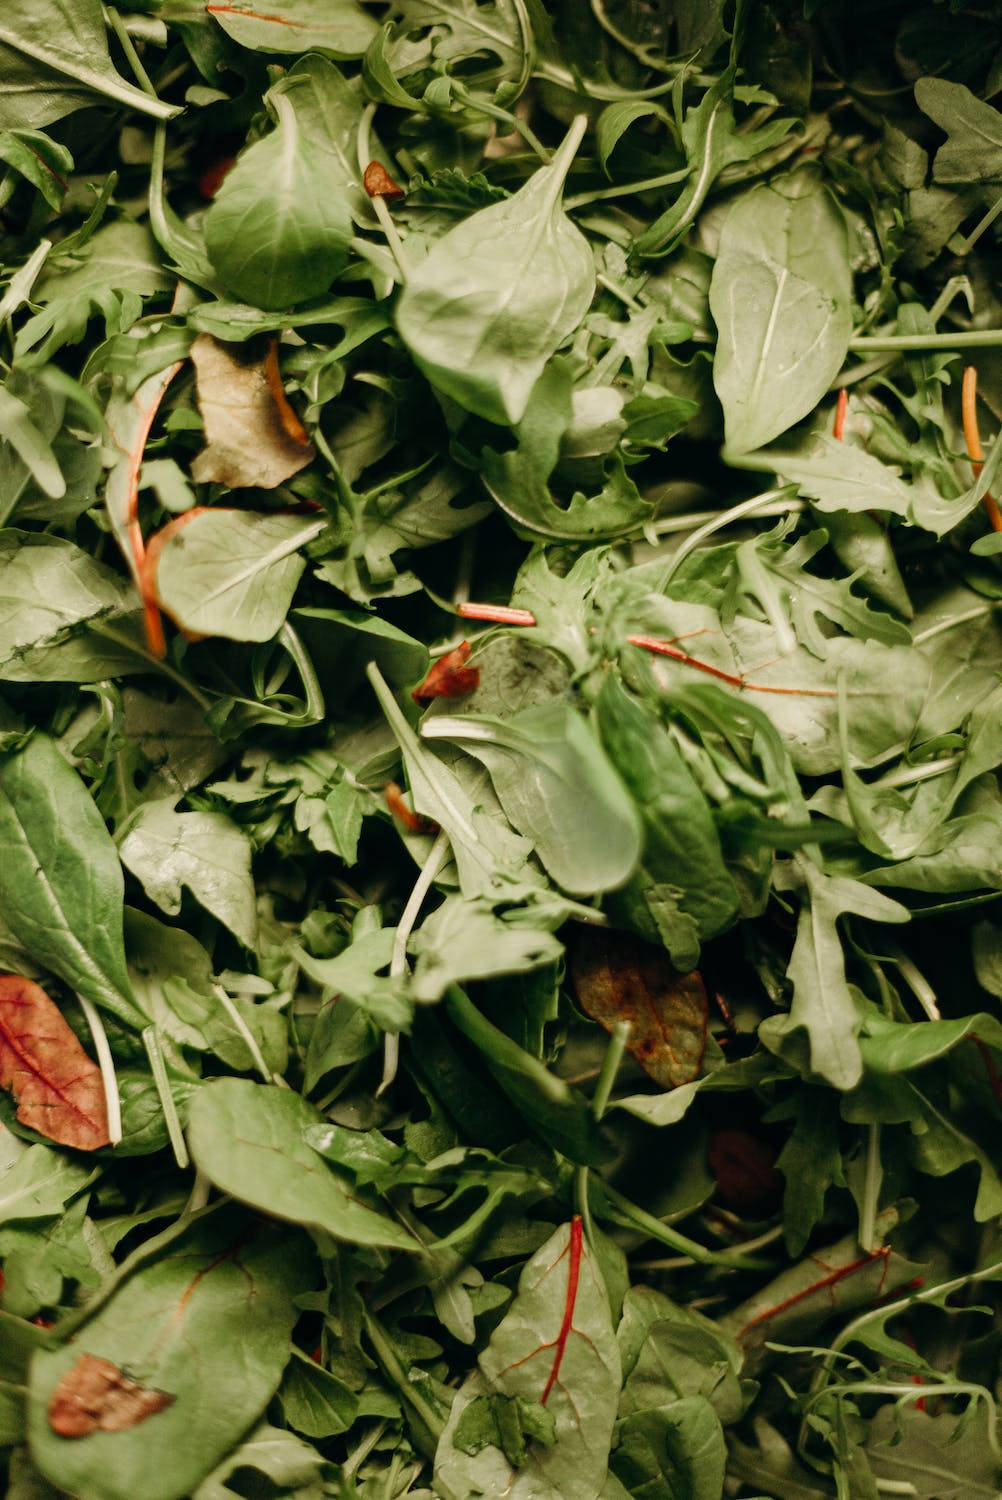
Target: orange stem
[[972, 437], [841, 410]]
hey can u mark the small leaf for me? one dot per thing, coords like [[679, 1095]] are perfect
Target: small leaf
[[619, 978], [497, 295], [95, 1395], [246, 440], [58, 1088]]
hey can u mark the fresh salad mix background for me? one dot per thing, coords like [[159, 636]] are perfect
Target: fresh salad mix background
[[500, 728]]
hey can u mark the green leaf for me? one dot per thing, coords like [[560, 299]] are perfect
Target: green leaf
[[42, 161], [39, 1184], [670, 1450], [284, 1459], [328, 110], [497, 295], [50, 593], [545, 766], [278, 229], [204, 851], [973, 149], [315, 1402], [232, 573], [938, 1457], [248, 1140], [519, 1362], [61, 894], [781, 295], [54, 59], [227, 1289], [19, 431], [823, 1003], [337, 26], [465, 940]]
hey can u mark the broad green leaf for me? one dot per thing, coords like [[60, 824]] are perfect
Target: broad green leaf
[[39, 1184], [54, 59], [841, 477], [781, 295], [936, 1456], [61, 894], [674, 1449], [337, 26], [973, 149], [546, 766], [328, 109], [204, 851], [497, 295], [579, 1391], [278, 229], [314, 1401], [226, 1290], [823, 1003], [50, 593], [248, 1140], [232, 573]]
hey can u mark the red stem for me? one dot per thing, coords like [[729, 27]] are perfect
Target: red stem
[[841, 410], [496, 614], [573, 1275]]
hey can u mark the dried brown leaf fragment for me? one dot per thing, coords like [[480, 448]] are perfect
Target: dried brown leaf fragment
[[96, 1396], [252, 436]]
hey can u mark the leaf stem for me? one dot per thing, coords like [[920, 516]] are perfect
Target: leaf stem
[[151, 1041], [495, 112], [972, 438], [962, 338], [632, 1216], [428, 1426], [398, 958], [721, 519], [379, 208], [248, 1037], [128, 47], [106, 1064], [100, 628], [624, 189]]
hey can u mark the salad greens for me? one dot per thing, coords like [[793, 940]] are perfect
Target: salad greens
[[500, 732]]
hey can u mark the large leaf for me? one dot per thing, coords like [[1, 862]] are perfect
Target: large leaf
[[248, 1139], [54, 59], [781, 295], [546, 767], [328, 109], [295, 249], [338, 26], [61, 893], [496, 296], [555, 1348], [229, 572], [227, 1290]]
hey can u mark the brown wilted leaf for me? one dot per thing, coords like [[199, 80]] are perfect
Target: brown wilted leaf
[[619, 978], [247, 436], [95, 1396], [449, 677], [745, 1169], [57, 1087], [379, 184]]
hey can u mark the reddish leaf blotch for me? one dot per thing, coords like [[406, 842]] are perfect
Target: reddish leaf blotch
[[378, 183]]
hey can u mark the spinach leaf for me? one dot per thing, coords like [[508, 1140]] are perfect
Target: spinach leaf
[[781, 295], [495, 297]]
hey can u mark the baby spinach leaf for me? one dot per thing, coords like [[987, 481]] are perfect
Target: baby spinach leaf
[[51, 591], [230, 1286], [781, 295], [278, 229], [61, 894], [248, 1140], [555, 1348], [497, 295], [546, 768], [39, 1184], [231, 573]]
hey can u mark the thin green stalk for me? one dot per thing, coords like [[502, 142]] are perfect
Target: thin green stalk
[[425, 1423], [871, 1191], [963, 338], [398, 957], [969, 241], [599, 1104], [100, 627], [106, 1064], [624, 189], [633, 1217], [379, 208], [151, 1041], [505, 117], [131, 55], [721, 519]]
